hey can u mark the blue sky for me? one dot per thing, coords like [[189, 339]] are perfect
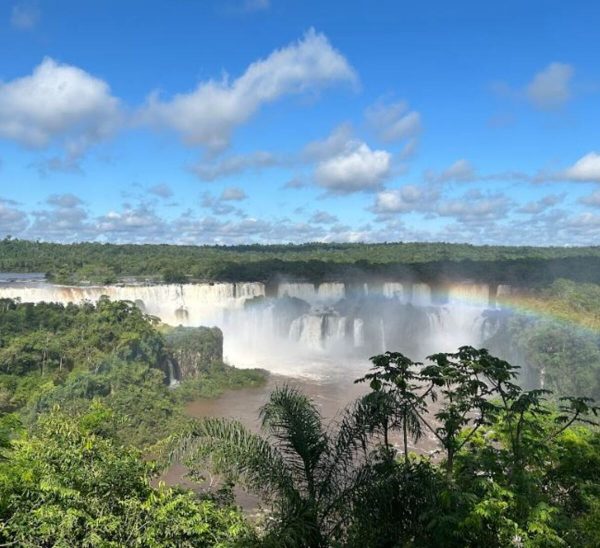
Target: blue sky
[[268, 121]]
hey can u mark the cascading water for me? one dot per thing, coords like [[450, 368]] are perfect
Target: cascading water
[[173, 381], [327, 325]]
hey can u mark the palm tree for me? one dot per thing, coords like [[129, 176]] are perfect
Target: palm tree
[[309, 475]]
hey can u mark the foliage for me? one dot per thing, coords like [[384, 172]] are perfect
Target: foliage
[[309, 474], [68, 483], [313, 261], [70, 355], [517, 470]]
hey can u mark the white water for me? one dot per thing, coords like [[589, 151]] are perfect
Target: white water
[[312, 341]]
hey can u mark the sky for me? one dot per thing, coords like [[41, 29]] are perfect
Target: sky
[[272, 121]]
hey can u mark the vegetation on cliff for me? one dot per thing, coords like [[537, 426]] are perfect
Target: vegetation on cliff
[[52, 354]]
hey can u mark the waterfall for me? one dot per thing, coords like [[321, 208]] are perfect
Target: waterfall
[[302, 291], [330, 321], [394, 290], [470, 294], [308, 330], [173, 382], [421, 295], [331, 291], [358, 332]]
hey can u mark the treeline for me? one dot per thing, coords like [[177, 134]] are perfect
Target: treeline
[[316, 262]]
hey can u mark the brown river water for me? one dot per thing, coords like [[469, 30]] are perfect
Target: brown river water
[[330, 395]]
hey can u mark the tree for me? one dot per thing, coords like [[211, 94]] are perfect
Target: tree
[[395, 401], [308, 475], [69, 484]]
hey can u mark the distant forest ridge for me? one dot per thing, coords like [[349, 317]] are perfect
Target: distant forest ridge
[[313, 262]]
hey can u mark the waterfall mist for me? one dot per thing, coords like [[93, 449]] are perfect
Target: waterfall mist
[[306, 330]]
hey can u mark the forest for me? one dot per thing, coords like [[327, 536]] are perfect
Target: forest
[[88, 421], [314, 262]]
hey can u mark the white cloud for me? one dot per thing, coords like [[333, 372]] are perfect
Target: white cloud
[[66, 219], [460, 171], [550, 88], [402, 200], [12, 220], [233, 194], [161, 190], [208, 115], [393, 122], [236, 163], [58, 104], [357, 168], [322, 217], [592, 199], [586, 169], [475, 207], [25, 16], [335, 143], [538, 206], [294, 183], [131, 220], [64, 200]]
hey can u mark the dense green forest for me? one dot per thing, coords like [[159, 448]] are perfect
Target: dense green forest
[[88, 420], [69, 355], [510, 468], [315, 262], [554, 333]]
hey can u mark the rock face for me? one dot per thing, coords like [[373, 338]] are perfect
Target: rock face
[[194, 349]]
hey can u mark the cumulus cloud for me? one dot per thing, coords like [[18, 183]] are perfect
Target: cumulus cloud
[[233, 164], [592, 199], [322, 217], [538, 206], [403, 200], [161, 190], [58, 104], [475, 207], [25, 16], [130, 221], [460, 171], [233, 194], [586, 169], [356, 169], [335, 143], [12, 219], [590, 222], [393, 122], [221, 205], [551, 87], [209, 115], [64, 200], [66, 219]]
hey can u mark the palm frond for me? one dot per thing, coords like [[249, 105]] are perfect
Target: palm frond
[[295, 424], [230, 448]]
